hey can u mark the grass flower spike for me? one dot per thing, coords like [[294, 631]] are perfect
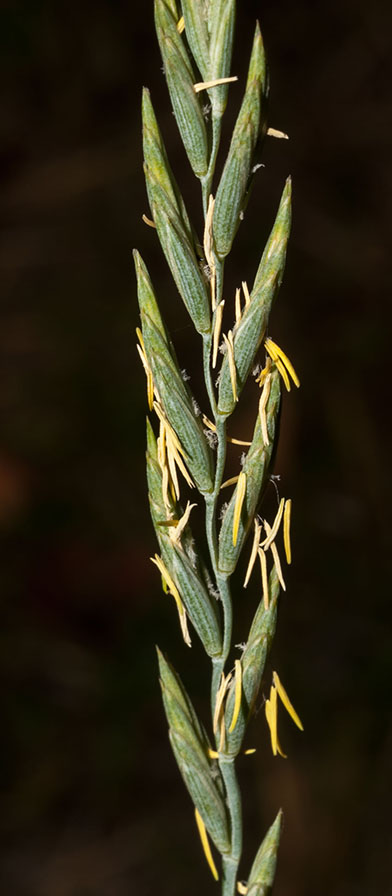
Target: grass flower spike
[[187, 442]]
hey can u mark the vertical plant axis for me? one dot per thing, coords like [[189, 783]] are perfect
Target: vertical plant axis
[[186, 447]]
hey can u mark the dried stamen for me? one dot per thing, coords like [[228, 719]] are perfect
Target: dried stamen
[[241, 489], [213, 754], [208, 249], [264, 577], [174, 447], [205, 85], [230, 354], [253, 553], [275, 555], [176, 534], [173, 590], [262, 376], [271, 714], [283, 372], [217, 330], [147, 369], [238, 310], [205, 844], [286, 701], [222, 738], [246, 292], [286, 530], [272, 132], [262, 408], [238, 442], [232, 481], [162, 460], [276, 354], [275, 527], [238, 694], [225, 681], [148, 221]]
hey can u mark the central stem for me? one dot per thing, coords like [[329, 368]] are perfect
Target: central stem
[[226, 763], [231, 862], [206, 181]]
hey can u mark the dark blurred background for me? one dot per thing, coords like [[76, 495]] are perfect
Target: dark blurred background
[[93, 804]]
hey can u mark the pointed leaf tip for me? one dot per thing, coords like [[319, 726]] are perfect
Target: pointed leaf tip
[[263, 869]]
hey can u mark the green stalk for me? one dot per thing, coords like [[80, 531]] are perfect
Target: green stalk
[[178, 450], [206, 182], [230, 863]]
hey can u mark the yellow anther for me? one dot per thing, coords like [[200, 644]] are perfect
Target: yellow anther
[[272, 132], [207, 422], [262, 408], [275, 527], [271, 714], [286, 530], [241, 888], [205, 85], [286, 701], [222, 738], [271, 347], [278, 566], [147, 369], [253, 553], [260, 379], [162, 460], [232, 481], [225, 681], [172, 491], [238, 311], [275, 555], [176, 534], [246, 292], [173, 470], [208, 248], [205, 844], [173, 454], [168, 428], [161, 445], [283, 372], [217, 330], [230, 354], [181, 25], [208, 238], [241, 490], [168, 523], [277, 354], [174, 450], [238, 694], [148, 221], [238, 442], [150, 390], [213, 754], [250, 752], [166, 577], [139, 335], [174, 592], [264, 577]]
